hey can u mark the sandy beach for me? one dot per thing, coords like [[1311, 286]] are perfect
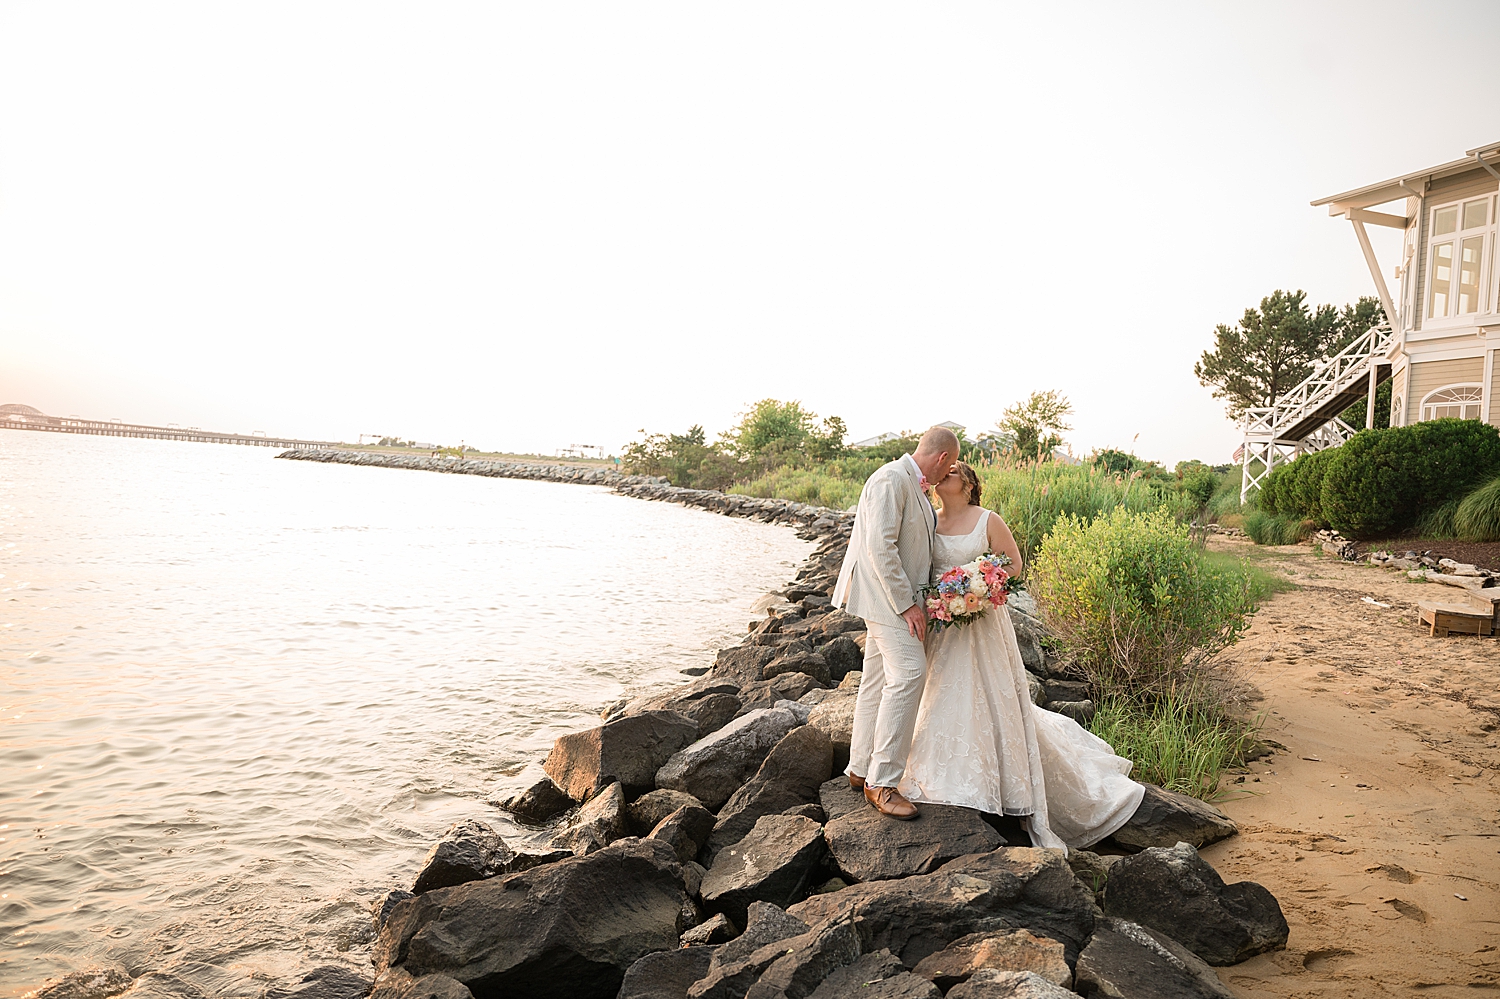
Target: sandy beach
[[1376, 827]]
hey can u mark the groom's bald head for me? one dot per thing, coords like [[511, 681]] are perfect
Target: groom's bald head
[[935, 441], [936, 452]]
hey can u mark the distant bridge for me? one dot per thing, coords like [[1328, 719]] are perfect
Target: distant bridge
[[15, 416]]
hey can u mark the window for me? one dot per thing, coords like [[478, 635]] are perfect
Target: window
[[1398, 412], [1456, 258], [1458, 401]]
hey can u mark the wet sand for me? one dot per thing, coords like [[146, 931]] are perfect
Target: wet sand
[[1377, 827]]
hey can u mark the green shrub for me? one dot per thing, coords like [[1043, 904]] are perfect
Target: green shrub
[[1478, 516], [1381, 480], [802, 485], [1134, 605], [1178, 742], [1274, 529]]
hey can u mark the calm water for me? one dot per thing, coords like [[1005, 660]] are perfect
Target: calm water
[[240, 696]]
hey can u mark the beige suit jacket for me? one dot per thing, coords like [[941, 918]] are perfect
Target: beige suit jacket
[[890, 550]]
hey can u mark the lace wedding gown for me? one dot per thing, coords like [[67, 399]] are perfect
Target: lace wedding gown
[[981, 743]]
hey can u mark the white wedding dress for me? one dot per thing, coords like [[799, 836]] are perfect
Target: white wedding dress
[[981, 743]]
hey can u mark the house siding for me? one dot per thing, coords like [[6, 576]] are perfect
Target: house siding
[[1494, 392], [1465, 185], [1429, 375]]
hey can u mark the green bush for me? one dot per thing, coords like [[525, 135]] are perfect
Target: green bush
[[1381, 480], [802, 485], [1134, 605], [1274, 529], [1478, 516]]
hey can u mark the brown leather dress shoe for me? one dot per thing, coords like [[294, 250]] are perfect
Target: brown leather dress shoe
[[889, 801], [856, 783]]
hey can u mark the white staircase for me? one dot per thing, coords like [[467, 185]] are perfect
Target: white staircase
[[1306, 419]]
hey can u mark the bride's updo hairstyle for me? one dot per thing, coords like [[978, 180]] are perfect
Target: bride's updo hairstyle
[[971, 479]]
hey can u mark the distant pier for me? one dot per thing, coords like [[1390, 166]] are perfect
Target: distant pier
[[18, 417]]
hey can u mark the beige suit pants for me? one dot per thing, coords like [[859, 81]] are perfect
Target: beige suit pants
[[885, 713]]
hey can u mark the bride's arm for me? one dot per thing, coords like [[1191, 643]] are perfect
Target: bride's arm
[[1001, 540]]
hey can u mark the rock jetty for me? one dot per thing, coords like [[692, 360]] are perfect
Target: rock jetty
[[704, 844]]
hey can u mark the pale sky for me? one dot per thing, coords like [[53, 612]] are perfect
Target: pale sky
[[534, 225]]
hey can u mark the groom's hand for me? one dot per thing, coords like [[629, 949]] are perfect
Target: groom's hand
[[916, 622]]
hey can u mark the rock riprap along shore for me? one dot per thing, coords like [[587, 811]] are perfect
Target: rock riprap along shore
[[702, 842]]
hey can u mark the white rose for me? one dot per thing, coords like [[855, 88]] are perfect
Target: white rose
[[978, 588], [956, 605]]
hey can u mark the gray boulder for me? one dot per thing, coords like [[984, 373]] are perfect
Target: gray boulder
[[993, 984], [667, 974], [782, 687], [1080, 711], [381, 908], [789, 777], [526, 860], [538, 803], [843, 657], [1127, 961], [468, 851], [798, 658], [645, 812], [598, 823], [1177, 893], [712, 712], [396, 983], [1002, 950], [807, 960], [685, 831], [1012, 887], [91, 983], [332, 981], [1166, 818], [738, 964], [868, 846], [833, 715], [716, 929], [742, 663], [629, 750], [877, 975], [569, 929], [777, 862], [713, 768]]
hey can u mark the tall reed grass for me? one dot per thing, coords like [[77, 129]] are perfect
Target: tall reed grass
[[1182, 743], [802, 485]]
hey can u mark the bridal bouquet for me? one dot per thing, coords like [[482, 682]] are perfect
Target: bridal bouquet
[[965, 592]]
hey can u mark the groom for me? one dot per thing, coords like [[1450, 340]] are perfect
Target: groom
[[888, 562]]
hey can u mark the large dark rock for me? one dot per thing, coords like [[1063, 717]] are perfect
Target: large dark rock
[[713, 768], [712, 712], [645, 812], [736, 965], [90, 983], [468, 851], [1012, 887], [381, 908], [538, 803], [1166, 818], [629, 750], [1126, 961], [807, 960], [777, 862], [526, 860], [789, 777], [993, 984], [598, 823], [569, 929], [843, 657], [685, 831], [868, 846], [666, 974], [782, 687], [332, 981], [716, 929], [742, 663], [798, 657], [1177, 893], [396, 983], [833, 715], [875, 976], [1004, 950]]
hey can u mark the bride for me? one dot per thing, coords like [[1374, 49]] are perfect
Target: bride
[[979, 740]]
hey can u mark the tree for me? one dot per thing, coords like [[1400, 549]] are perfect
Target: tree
[[1036, 425], [770, 426], [828, 443], [1272, 348]]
